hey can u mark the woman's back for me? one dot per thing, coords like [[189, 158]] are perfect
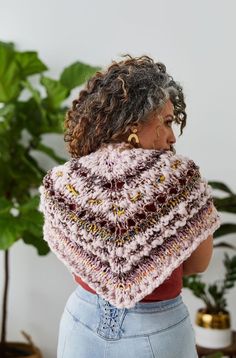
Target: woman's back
[[125, 214], [126, 218], [170, 288]]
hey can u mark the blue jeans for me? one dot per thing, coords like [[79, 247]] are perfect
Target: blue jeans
[[91, 327]]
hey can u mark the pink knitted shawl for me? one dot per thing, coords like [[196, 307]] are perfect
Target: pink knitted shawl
[[124, 219]]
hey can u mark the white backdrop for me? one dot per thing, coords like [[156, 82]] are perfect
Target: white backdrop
[[196, 41]]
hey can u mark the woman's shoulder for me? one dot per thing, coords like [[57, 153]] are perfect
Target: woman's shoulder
[[55, 176], [113, 163]]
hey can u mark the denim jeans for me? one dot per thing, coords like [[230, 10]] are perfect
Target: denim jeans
[[90, 327]]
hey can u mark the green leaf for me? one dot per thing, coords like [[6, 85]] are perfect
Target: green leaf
[[32, 223], [55, 122], [56, 92], [5, 205], [10, 231], [9, 45], [30, 217], [227, 261], [231, 277], [50, 152], [227, 204], [35, 93], [229, 285], [31, 204], [9, 74], [225, 229], [213, 290], [21, 174], [38, 242], [220, 186], [195, 284], [224, 244], [7, 110], [31, 166], [29, 63], [7, 115], [32, 115], [77, 74], [215, 355]]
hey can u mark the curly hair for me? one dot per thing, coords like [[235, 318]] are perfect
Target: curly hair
[[116, 99]]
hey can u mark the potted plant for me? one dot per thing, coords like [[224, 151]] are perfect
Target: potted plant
[[21, 174], [213, 321]]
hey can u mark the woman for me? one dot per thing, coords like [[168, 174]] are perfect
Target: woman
[[128, 217]]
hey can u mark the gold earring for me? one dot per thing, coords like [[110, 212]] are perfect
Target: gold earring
[[157, 131], [161, 119], [161, 122], [133, 136]]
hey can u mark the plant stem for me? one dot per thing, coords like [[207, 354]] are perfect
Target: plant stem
[[4, 307]]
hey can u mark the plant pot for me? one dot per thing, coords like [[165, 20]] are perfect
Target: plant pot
[[213, 330], [20, 350]]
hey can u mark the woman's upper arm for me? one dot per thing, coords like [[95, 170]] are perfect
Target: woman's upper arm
[[200, 258]]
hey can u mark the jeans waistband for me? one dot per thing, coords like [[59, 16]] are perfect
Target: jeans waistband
[[139, 306]]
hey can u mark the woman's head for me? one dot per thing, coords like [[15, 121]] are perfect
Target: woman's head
[[133, 93], [157, 132]]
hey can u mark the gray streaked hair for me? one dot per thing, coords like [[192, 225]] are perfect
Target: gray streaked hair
[[117, 98]]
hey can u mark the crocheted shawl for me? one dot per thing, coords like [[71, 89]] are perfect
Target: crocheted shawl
[[124, 219]]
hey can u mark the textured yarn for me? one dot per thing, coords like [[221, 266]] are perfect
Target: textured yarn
[[123, 219]]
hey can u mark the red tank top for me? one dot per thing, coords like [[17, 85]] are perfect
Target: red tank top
[[170, 288]]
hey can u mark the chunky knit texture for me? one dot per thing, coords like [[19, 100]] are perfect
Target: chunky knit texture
[[123, 219]]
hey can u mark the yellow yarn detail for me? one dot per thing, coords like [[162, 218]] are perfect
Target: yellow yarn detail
[[93, 228], [95, 201], [73, 217], [118, 211], [72, 189], [176, 164], [136, 197], [162, 178]]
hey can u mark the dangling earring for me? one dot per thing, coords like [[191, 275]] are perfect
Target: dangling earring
[[133, 136], [161, 122]]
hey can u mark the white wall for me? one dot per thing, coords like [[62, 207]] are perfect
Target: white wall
[[196, 41]]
